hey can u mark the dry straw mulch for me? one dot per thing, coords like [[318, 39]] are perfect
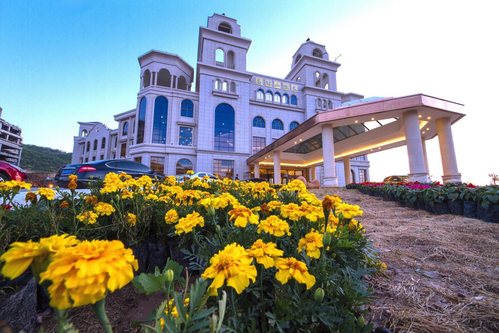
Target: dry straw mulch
[[443, 270]]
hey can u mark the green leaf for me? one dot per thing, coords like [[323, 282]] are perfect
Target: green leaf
[[149, 283]]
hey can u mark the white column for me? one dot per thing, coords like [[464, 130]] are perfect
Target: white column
[[277, 167], [346, 165], [257, 170], [425, 155], [417, 169], [330, 178], [447, 152]]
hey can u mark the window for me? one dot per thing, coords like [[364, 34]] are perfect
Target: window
[[95, 144], [101, 157], [325, 81], [220, 57], [362, 175], [164, 78], [293, 125], [183, 165], [146, 79], [277, 124], [84, 132], [185, 136], [317, 53], [233, 87], [259, 94], [158, 164], [329, 104], [298, 57], [258, 144], [159, 121], [123, 150], [258, 122], [224, 86], [223, 168], [225, 27], [224, 127], [186, 108], [141, 120], [218, 85], [182, 83], [124, 132], [268, 96], [230, 59], [285, 99], [129, 166], [138, 159], [103, 144], [277, 98], [93, 158], [294, 100]]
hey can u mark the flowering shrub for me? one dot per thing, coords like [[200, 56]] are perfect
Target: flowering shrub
[[279, 258]]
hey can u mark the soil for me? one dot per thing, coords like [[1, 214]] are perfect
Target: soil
[[442, 274]]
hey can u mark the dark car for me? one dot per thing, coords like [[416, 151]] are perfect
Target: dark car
[[11, 172], [255, 180], [61, 177], [92, 171]]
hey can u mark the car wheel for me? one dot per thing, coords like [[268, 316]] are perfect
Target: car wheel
[[4, 177]]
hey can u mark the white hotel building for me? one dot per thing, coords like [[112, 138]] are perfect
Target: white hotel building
[[236, 122]]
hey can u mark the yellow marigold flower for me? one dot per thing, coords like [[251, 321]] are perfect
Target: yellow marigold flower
[[171, 216], [310, 212], [291, 211], [103, 208], [355, 225], [241, 215], [190, 172], [46, 193], [84, 273], [309, 198], [295, 185], [87, 217], [126, 194], [186, 224], [64, 204], [330, 201], [170, 180], [312, 243], [232, 265], [348, 211], [131, 219], [291, 268], [112, 183], [274, 226], [152, 197], [21, 254], [265, 253], [72, 182], [90, 200], [13, 184], [144, 181], [274, 204]]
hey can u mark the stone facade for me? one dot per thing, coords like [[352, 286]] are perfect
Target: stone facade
[[231, 114], [11, 142]]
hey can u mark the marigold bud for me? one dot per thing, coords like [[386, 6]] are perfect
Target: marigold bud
[[326, 239], [169, 275], [319, 295]]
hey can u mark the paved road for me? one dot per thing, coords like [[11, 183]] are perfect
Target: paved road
[[20, 197]]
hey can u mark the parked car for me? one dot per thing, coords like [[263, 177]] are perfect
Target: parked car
[[396, 179], [11, 172], [97, 170], [255, 180], [203, 174], [61, 177]]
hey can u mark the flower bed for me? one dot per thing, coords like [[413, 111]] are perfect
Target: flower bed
[[249, 256], [480, 202]]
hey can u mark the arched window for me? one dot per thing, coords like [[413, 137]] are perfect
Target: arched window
[[230, 59], [183, 165], [88, 146], [124, 131], [84, 132], [225, 27], [268, 96], [146, 79], [218, 84], [277, 124], [187, 108], [164, 78], [220, 57], [260, 94], [103, 143], [329, 104], [285, 99], [160, 119], [95, 144], [141, 119], [224, 86], [298, 57], [258, 122], [317, 53], [182, 83], [224, 127], [294, 100], [293, 125], [325, 81], [233, 87], [277, 98]]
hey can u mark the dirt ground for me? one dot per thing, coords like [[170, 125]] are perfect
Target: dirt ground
[[442, 276]]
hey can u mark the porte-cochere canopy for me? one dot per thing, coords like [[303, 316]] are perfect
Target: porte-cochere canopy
[[364, 128]]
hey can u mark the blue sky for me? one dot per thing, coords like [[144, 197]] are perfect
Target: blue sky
[[74, 60]]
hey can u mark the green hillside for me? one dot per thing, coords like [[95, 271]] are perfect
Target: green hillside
[[42, 159]]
